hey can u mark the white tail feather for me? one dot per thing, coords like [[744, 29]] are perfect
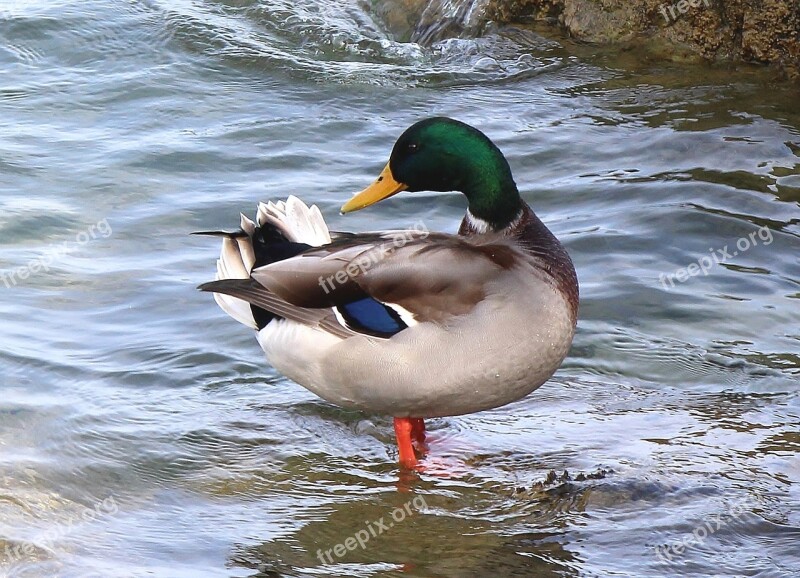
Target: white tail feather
[[296, 221], [247, 253], [236, 308], [247, 225]]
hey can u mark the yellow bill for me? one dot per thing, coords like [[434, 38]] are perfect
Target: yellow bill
[[383, 188]]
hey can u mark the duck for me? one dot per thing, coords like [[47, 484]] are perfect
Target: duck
[[408, 323]]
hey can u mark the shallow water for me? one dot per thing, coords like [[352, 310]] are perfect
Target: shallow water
[[141, 432]]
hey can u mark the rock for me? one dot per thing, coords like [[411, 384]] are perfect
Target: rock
[[426, 21], [758, 31], [400, 17], [763, 31]]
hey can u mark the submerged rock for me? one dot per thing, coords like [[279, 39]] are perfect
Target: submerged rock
[[759, 31], [426, 21]]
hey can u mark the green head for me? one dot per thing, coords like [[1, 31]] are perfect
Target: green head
[[442, 154]]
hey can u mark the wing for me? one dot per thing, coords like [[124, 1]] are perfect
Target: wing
[[417, 275], [375, 284], [256, 294]]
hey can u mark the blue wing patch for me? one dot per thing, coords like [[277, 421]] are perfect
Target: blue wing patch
[[371, 317]]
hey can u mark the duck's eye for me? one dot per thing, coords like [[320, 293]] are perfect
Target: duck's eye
[[412, 147]]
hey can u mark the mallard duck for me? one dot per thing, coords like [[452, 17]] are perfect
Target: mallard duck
[[409, 323]]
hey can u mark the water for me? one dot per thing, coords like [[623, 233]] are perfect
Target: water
[[141, 432]]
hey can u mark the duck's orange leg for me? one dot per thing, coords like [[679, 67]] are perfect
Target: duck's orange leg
[[418, 430], [403, 427]]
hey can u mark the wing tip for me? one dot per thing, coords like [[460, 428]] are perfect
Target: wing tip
[[223, 285]]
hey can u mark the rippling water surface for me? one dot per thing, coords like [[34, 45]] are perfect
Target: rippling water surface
[[141, 432]]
